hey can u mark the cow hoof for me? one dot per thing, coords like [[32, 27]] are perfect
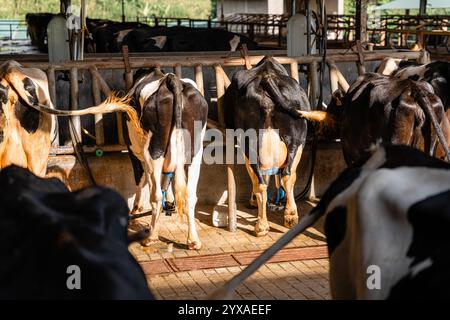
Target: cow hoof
[[261, 231], [149, 242], [137, 209], [194, 245], [290, 221]]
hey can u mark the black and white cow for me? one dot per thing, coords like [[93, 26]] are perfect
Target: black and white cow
[[166, 126], [266, 99], [386, 227], [384, 108], [57, 244], [173, 116], [436, 73]]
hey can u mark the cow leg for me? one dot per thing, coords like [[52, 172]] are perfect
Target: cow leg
[[155, 199], [290, 211], [193, 240], [137, 204], [140, 177], [260, 192]]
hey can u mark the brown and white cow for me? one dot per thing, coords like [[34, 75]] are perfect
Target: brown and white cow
[[25, 133], [166, 126], [267, 101]]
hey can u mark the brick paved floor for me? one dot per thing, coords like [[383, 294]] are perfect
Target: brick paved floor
[[173, 234], [306, 279], [300, 280]]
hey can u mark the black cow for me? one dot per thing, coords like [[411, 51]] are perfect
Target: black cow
[[48, 234], [386, 227], [182, 39], [378, 107], [267, 100]]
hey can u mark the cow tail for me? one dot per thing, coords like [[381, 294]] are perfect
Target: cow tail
[[425, 104], [277, 97], [112, 104], [174, 84]]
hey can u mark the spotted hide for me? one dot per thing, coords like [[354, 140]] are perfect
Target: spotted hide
[[386, 222], [267, 100], [25, 133]]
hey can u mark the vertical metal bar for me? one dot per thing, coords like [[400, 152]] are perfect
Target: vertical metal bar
[[199, 79]]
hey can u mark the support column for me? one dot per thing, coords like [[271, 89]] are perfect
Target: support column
[[361, 20]]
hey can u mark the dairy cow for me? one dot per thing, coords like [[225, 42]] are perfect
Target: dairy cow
[[267, 100], [166, 124], [383, 108], [386, 222], [25, 133]]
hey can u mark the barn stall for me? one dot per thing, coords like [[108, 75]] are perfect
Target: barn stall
[[223, 189]]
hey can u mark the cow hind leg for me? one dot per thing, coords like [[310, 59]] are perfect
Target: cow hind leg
[[140, 177], [260, 192], [290, 211], [155, 200], [193, 240]]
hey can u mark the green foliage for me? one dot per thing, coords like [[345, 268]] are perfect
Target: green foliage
[[111, 9]]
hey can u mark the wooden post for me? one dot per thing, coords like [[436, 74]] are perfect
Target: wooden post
[[294, 71], [222, 81], [312, 84], [52, 90], [360, 63], [199, 78], [231, 183], [423, 7], [74, 101], [104, 87], [128, 72], [177, 70], [334, 80], [220, 86], [98, 118], [361, 20]]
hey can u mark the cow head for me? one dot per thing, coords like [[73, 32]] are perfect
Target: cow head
[[328, 122]]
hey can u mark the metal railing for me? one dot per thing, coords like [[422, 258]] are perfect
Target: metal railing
[[13, 30]]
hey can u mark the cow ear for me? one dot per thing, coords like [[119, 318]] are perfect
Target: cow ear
[[338, 97]]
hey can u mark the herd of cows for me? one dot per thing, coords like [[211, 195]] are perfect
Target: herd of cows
[[106, 36], [389, 209]]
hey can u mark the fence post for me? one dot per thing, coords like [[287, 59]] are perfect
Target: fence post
[[177, 70], [312, 83], [199, 78], [52, 91], [98, 118], [74, 101], [294, 70]]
